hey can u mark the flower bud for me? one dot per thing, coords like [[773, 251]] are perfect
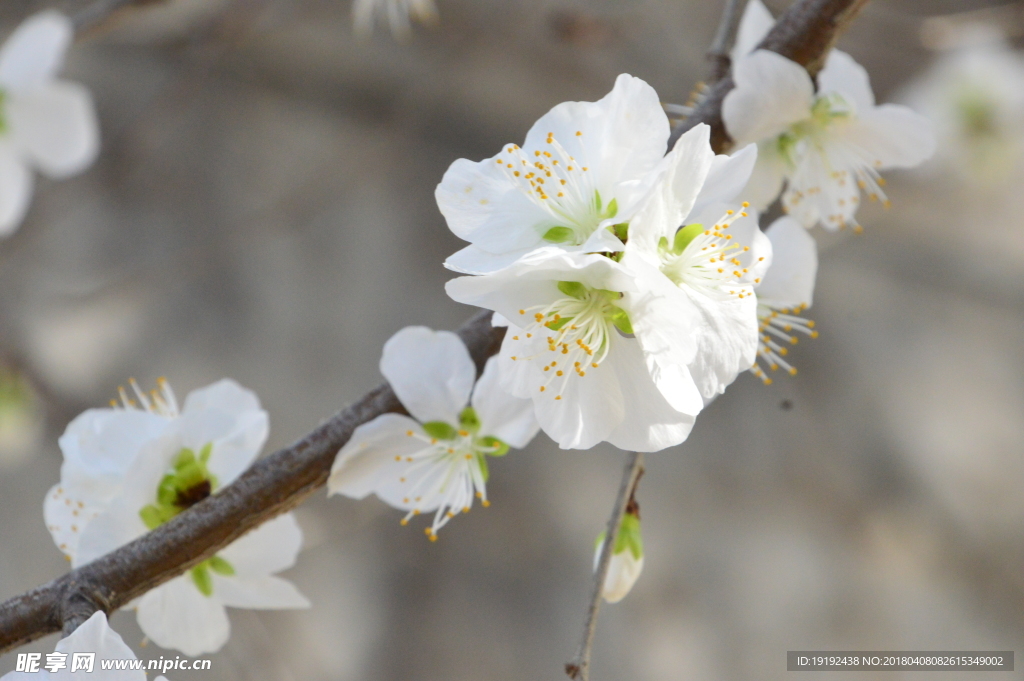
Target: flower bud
[[627, 559]]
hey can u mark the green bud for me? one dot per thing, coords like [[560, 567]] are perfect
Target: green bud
[[203, 580], [685, 235], [469, 420], [440, 430], [573, 289], [559, 235], [221, 566], [630, 537]]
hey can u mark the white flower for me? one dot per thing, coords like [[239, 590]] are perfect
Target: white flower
[[436, 461], [45, 123], [92, 636], [826, 145], [129, 470], [975, 97], [626, 351], [785, 292], [584, 168], [627, 559], [364, 12]]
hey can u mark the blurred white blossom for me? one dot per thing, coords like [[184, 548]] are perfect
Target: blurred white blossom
[[397, 13], [974, 95], [94, 636], [826, 145], [436, 461], [786, 290], [46, 124], [129, 470]]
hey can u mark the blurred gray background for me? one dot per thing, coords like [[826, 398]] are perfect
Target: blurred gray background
[[263, 209]]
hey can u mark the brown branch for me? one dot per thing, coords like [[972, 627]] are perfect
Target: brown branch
[[804, 33], [579, 667], [718, 53], [270, 487]]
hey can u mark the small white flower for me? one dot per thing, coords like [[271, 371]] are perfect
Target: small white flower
[[626, 352], [436, 461], [129, 470], [627, 559], [584, 168], [94, 636], [785, 292], [826, 145], [975, 97], [397, 12], [45, 123]]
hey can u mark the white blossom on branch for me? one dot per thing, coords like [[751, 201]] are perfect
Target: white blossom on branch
[[435, 461], [129, 469], [826, 145]]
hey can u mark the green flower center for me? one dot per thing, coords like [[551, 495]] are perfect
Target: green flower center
[[825, 112], [188, 482]]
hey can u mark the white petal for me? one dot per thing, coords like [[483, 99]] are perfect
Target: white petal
[[99, 445], [726, 342], [891, 136], [771, 94], [259, 593], [623, 572], [726, 178], [228, 416], [766, 179], [482, 206], [624, 134], [67, 512], [502, 415], [474, 260], [367, 461], [789, 281], [95, 636], [497, 320], [844, 76], [649, 423], [15, 189], [225, 395], [35, 51], [672, 199], [754, 26], [177, 615], [270, 548], [55, 126], [430, 371]]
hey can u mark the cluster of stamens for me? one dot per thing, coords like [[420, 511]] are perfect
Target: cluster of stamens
[[554, 180], [453, 490], [160, 401], [778, 329], [576, 332], [711, 261]]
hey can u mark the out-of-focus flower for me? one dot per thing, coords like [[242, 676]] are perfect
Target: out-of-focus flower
[[436, 461], [582, 173], [129, 470], [611, 348], [827, 145], [974, 95], [785, 292], [46, 123], [79, 656], [397, 12], [627, 558]]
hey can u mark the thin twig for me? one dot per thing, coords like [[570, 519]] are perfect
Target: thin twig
[[579, 668], [718, 53], [804, 33]]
